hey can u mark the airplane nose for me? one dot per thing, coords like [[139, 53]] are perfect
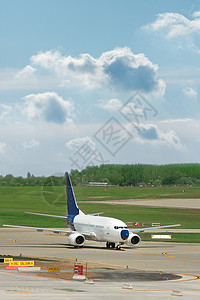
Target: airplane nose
[[124, 234]]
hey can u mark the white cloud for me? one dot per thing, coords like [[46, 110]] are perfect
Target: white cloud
[[31, 144], [119, 69], [171, 139], [77, 143], [26, 72], [111, 105], [49, 107], [83, 70], [130, 72], [196, 14], [190, 92], [2, 147], [175, 25], [167, 141], [4, 110], [10, 79], [127, 109], [152, 134]]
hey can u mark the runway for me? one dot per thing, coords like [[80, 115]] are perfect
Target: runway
[[166, 202], [181, 259]]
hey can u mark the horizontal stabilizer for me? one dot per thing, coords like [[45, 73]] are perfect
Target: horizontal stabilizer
[[96, 214]]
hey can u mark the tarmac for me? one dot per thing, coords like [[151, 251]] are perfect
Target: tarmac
[[165, 202], [135, 277]]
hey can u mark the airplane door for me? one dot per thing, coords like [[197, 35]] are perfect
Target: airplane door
[[107, 231]]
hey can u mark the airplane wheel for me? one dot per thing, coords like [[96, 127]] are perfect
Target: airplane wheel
[[107, 245], [113, 245], [118, 247]]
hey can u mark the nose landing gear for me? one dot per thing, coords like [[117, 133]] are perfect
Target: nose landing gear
[[112, 245]]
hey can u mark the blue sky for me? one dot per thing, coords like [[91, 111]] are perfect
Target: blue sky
[[90, 82]]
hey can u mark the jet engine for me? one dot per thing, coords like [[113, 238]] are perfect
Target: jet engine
[[133, 239], [76, 239]]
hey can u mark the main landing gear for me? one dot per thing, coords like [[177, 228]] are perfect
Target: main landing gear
[[112, 245]]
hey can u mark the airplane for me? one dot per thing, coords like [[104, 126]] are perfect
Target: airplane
[[113, 232]]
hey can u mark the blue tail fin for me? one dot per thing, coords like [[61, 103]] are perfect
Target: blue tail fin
[[71, 200]]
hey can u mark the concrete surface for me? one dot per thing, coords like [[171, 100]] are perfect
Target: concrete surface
[[170, 203], [181, 259], [15, 286]]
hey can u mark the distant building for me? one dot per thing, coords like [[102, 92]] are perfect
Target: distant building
[[97, 184]]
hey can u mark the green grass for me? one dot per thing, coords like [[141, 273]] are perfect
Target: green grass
[[14, 201], [175, 237], [25, 258], [188, 218], [117, 193]]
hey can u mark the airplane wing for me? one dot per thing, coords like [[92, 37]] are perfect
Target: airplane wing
[[41, 229], [53, 216], [152, 228], [61, 217], [68, 232]]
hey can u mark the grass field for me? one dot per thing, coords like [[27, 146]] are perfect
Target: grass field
[[175, 237], [117, 193], [14, 201]]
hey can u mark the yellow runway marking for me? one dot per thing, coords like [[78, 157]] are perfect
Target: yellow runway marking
[[179, 257], [144, 253], [22, 292], [195, 277], [151, 290]]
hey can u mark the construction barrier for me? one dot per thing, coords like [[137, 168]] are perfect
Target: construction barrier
[[147, 224], [127, 286], [78, 272], [11, 267], [78, 269], [161, 236], [156, 224], [29, 269]]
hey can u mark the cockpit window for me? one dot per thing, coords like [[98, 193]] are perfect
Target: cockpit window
[[120, 227]]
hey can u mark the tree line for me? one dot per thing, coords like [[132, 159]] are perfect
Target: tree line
[[123, 175], [10, 180]]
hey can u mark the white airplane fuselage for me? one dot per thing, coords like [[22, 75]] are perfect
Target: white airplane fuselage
[[104, 229]]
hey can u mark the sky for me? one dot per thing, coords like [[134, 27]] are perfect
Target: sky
[[89, 82]]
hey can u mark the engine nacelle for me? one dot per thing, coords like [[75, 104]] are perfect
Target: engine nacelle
[[76, 239], [133, 239]]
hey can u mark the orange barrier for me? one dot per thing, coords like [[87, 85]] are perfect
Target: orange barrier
[[14, 267]]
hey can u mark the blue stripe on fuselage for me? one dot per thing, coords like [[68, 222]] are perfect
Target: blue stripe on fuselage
[[70, 221]]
